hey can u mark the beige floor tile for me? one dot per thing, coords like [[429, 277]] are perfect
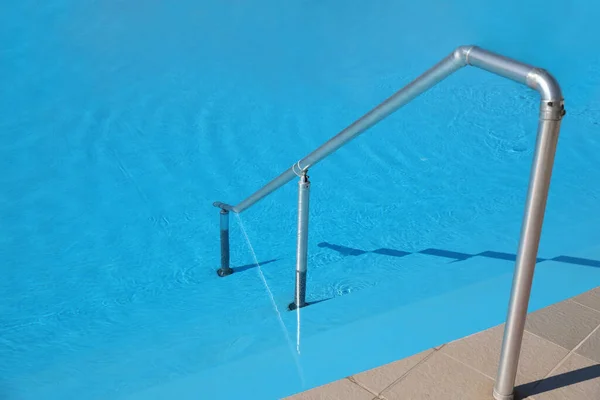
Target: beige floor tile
[[577, 379], [338, 390], [566, 323], [441, 377], [590, 299], [376, 380], [482, 352], [591, 347]]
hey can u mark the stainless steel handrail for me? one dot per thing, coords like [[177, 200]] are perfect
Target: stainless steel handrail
[[551, 113], [535, 78]]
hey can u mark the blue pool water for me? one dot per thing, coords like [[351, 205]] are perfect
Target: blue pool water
[[121, 122]]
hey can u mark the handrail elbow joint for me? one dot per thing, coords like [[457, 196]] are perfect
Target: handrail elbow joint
[[461, 55], [224, 206], [547, 86]]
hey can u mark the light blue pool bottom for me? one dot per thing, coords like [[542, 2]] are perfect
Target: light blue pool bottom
[[360, 331], [121, 122], [397, 333]]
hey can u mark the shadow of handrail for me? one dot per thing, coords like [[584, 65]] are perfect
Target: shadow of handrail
[[243, 268], [454, 255], [558, 381]]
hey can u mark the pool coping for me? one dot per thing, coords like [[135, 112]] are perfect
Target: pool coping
[[560, 359]]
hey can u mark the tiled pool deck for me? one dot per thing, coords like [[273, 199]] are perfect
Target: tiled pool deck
[[560, 360]]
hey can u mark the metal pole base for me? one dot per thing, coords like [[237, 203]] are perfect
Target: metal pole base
[[224, 222], [224, 271], [300, 297], [499, 396]]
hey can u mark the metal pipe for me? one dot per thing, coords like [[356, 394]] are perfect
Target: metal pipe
[[551, 113], [464, 55], [224, 230], [441, 70], [499, 65], [535, 78], [302, 242]]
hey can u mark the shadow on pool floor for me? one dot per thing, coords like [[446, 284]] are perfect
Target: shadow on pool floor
[[246, 267], [455, 256]]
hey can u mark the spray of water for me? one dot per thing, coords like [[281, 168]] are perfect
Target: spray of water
[[275, 308]]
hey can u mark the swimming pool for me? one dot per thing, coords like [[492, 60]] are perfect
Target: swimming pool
[[121, 123]]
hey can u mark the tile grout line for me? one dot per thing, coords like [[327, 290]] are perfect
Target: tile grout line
[[470, 367], [572, 299], [404, 375], [545, 339], [354, 381], [588, 307], [571, 352], [561, 362], [587, 358]]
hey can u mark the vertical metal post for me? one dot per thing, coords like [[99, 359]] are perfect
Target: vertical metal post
[[224, 222], [551, 113], [302, 242]]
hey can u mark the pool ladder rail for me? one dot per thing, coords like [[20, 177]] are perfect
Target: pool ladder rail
[[551, 113]]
